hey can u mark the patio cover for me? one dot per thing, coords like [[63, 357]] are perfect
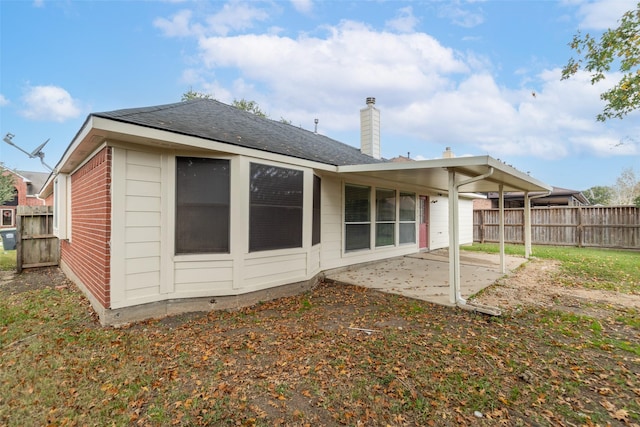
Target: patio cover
[[451, 176]]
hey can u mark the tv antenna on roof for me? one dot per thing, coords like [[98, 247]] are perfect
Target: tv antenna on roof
[[8, 138]]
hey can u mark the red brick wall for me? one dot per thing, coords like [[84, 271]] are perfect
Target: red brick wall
[[87, 254]]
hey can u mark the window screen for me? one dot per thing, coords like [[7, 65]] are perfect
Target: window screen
[[202, 205], [357, 214], [407, 218], [315, 233], [385, 217], [275, 208]]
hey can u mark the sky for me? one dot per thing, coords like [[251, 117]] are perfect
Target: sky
[[481, 77]]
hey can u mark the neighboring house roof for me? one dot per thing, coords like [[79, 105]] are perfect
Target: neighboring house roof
[[555, 192], [35, 180], [213, 120]]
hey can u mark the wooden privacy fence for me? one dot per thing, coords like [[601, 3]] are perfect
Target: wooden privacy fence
[[582, 226], [36, 244]]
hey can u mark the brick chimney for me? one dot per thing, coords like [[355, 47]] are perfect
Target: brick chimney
[[370, 129]]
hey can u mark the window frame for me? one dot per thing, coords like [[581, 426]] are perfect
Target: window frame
[[278, 214], [360, 221], [407, 222], [11, 216], [215, 204], [387, 223], [316, 221]]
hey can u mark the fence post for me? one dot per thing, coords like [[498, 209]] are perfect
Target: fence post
[[579, 227], [18, 243]]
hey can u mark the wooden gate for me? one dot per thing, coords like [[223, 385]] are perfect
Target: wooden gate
[[36, 245]]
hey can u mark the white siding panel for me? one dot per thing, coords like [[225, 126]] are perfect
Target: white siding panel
[[203, 277], [313, 264], [142, 281], [142, 219], [438, 222], [142, 265], [141, 295], [143, 188], [142, 250], [274, 269], [142, 204], [331, 215], [142, 158], [142, 226], [143, 234], [466, 221], [143, 173]]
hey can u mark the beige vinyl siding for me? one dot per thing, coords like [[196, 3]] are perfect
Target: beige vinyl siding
[[136, 232], [271, 269], [201, 278], [438, 222]]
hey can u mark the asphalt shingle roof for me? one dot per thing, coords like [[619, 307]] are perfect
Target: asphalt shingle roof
[[213, 120]]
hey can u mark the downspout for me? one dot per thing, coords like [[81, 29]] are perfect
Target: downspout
[[454, 246]]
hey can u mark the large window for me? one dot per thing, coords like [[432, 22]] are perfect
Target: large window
[[407, 218], [202, 205], [357, 217], [275, 208], [385, 217], [315, 233]]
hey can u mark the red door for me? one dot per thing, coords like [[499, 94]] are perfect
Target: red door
[[423, 218]]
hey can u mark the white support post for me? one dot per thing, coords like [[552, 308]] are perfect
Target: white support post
[[527, 226], [503, 269], [454, 240]]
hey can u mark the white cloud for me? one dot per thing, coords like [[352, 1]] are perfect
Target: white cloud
[[235, 16], [404, 22], [3, 101], [178, 26], [351, 58], [49, 103], [427, 92], [462, 16], [603, 14], [303, 6]]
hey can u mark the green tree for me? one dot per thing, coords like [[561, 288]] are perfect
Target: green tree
[[637, 201], [192, 94], [619, 46], [7, 186], [599, 195], [250, 106], [626, 188], [241, 104]]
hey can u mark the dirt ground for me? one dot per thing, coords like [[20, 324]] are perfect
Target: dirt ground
[[536, 284]]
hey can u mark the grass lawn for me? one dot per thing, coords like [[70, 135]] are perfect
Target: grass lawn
[[7, 260], [337, 355], [606, 269]]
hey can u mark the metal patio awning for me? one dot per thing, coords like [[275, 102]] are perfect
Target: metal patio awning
[[434, 174], [478, 174]]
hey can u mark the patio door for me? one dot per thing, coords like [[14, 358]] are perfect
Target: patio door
[[423, 222]]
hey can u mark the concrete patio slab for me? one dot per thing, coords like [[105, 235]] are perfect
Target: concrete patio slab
[[425, 275]]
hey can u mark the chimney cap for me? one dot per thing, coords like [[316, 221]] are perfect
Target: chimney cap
[[371, 100]]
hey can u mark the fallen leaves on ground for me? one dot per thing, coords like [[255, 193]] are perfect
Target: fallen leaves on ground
[[339, 355]]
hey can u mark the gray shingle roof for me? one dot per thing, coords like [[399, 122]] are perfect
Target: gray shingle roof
[[213, 120]]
